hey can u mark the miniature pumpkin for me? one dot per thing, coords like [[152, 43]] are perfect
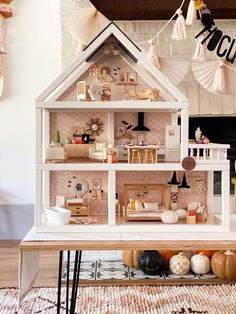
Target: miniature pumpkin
[[151, 262], [208, 253], [167, 254], [223, 264], [181, 213], [200, 264], [169, 217], [130, 257], [179, 264]]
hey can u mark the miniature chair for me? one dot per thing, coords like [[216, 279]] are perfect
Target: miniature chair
[[135, 156], [99, 152], [148, 156]]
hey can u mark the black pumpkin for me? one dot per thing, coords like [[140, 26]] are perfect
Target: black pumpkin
[[151, 262]]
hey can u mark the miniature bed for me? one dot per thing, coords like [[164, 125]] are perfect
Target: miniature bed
[[145, 201]]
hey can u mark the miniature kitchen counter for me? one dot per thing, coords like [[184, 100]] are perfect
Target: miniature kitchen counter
[[141, 151]]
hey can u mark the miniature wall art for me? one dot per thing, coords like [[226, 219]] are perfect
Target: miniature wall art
[[95, 127]]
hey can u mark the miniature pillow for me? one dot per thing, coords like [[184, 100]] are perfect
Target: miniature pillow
[[138, 205], [151, 206]]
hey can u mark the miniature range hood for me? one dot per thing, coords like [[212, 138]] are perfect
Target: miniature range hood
[[140, 126]]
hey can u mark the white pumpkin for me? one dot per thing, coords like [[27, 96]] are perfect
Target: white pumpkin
[[169, 217], [179, 264], [181, 213], [200, 264]]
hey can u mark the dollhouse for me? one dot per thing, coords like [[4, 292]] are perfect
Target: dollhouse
[[112, 149]]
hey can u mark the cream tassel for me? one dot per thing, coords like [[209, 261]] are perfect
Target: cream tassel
[[218, 85], [153, 53], [191, 14], [200, 50], [179, 30]]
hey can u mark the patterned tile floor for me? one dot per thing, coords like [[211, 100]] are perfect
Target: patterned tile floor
[[111, 270]]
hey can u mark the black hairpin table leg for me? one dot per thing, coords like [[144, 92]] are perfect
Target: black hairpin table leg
[[59, 282], [75, 282], [67, 282]]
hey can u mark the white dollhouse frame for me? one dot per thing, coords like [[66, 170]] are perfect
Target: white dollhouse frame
[[171, 100]]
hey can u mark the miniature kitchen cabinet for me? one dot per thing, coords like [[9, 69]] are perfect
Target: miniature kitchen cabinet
[[113, 76]]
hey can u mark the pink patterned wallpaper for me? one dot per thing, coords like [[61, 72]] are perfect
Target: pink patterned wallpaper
[[65, 120], [156, 121], [196, 180], [59, 186]]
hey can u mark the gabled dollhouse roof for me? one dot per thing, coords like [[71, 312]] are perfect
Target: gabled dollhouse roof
[[129, 51]]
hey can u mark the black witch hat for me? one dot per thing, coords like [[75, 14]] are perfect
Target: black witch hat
[[184, 184], [173, 180]]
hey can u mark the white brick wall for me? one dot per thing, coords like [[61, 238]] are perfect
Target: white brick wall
[[201, 101]]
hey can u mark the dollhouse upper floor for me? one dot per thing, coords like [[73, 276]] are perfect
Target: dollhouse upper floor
[[112, 105]]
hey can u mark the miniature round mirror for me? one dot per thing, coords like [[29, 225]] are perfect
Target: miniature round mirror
[[81, 187]]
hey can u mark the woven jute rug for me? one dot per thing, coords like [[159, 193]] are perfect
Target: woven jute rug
[[128, 300]]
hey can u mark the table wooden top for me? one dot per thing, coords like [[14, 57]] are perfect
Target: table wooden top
[[67, 245]]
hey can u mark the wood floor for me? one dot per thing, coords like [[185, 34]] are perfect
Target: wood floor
[[9, 260]]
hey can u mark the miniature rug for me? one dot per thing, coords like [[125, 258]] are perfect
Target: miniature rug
[[217, 299]]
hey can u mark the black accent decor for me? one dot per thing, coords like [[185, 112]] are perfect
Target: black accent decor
[[140, 126]]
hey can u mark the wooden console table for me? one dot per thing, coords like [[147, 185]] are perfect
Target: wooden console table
[[34, 242]]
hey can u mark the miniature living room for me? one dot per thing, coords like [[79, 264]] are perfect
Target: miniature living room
[[118, 177]]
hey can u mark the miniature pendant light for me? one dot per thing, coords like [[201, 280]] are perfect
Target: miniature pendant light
[[179, 30], [191, 14], [184, 184], [153, 54], [173, 180], [200, 50]]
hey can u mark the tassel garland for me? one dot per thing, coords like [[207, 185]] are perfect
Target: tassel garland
[[200, 50], [218, 85], [191, 14], [198, 4], [153, 53], [206, 17], [179, 30]]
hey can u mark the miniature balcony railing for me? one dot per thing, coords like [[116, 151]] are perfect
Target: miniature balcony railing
[[209, 152]]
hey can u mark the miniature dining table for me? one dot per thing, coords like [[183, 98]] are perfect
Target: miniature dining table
[[64, 243], [141, 149]]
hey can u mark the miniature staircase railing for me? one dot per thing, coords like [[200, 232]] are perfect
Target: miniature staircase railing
[[208, 152]]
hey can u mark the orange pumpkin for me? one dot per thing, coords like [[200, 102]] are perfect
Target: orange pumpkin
[[223, 264], [208, 253], [167, 254], [130, 258]]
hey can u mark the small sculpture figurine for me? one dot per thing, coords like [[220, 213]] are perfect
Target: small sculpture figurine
[[200, 138], [198, 135]]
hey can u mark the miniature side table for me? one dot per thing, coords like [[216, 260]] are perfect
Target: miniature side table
[[233, 181]]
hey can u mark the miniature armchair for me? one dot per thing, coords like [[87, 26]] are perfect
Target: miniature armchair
[[99, 152]]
